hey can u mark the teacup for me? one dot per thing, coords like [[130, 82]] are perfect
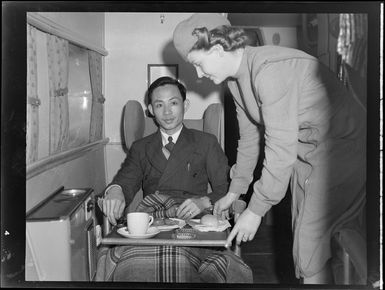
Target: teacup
[[139, 222]]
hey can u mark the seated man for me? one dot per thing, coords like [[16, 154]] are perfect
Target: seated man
[[182, 174]]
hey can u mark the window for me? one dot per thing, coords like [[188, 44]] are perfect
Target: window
[[79, 97], [65, 101]]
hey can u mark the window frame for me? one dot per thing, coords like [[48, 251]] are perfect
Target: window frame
[[47, 162]]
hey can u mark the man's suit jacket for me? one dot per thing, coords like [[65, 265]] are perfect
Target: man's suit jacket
[[196, 160]]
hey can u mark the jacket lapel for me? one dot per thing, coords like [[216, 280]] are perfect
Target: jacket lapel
[[182, 151], [154, 152]]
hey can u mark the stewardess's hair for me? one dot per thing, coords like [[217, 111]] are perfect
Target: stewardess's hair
[[231, 38]]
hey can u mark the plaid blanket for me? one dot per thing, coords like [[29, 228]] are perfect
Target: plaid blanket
[[159, 205], [169, 263], [162, 205]]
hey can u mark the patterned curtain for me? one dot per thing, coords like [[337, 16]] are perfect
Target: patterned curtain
[[352, 47], [58, 52], [32, 99], [96, 126], [352, 41]]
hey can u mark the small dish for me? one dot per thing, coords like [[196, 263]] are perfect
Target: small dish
[[196, 225], [151, 232], [164, 228]]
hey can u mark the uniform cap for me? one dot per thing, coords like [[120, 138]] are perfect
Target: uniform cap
[[183, 38]]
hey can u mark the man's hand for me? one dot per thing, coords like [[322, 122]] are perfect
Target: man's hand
[[221, 207], [114, 204], [245, 227], [191, 207]]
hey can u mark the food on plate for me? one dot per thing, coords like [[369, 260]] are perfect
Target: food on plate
[[170, 222], [158, 222], [210, 220], [164, 222]]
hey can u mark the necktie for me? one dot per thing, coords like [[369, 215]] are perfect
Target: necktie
[[170, 145]]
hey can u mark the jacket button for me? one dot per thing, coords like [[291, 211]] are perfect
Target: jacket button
[[306, 181]]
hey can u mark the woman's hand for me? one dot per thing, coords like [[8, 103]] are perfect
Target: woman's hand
[[191, 207], [245, 227], [221, 207], [114, 205]]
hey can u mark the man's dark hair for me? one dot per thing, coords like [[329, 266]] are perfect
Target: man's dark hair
[[162, 81]]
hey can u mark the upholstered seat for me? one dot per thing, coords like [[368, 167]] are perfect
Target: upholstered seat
[[137, 125]]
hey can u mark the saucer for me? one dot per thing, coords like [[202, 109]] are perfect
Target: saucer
[[151, 232]]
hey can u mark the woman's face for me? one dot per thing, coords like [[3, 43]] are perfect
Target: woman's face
[[209, 64]]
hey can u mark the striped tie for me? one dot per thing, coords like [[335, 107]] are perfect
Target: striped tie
[[170, 144], [168, 148]]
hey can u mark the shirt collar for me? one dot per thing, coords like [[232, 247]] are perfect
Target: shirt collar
[[174, 136]]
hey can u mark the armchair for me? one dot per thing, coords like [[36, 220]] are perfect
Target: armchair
[[137, 125]]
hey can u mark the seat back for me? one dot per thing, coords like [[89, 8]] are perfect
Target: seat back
[[137, 125]]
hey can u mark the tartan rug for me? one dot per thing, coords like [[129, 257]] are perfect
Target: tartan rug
[[159, 205], [169, 263]]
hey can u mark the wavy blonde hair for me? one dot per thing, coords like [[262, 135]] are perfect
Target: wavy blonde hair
[[230, 38]]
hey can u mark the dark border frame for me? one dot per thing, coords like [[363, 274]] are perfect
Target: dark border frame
[[14, 112]]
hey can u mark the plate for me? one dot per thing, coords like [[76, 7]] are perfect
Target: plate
[[151, 232], [196, 225], [181, 224]]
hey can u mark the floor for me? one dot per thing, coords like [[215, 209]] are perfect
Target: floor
[[270, 261], [269, 253]]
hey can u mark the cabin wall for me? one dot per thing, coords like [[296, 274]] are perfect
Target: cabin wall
[[90, 25], [134, 40], [83, 172], [276, 28], [88, 170]]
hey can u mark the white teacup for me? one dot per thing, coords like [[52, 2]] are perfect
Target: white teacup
[[139, 222]]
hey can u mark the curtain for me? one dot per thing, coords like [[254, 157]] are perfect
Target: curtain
[[32, 99], [352, 41], [58, 52], [96, 125], [352, 46]]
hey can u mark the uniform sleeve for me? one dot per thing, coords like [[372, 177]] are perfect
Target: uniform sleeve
[[130, 175], [247, 152], [217, 170], [278, 92]]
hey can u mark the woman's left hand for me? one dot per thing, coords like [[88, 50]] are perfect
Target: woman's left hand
[[191, 207], [245, 228]]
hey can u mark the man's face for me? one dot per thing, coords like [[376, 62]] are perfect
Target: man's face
[[168, 108]]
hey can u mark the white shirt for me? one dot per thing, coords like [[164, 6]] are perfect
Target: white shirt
[[174, 136]]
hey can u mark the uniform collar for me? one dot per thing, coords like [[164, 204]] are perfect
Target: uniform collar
[[243, 67]]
